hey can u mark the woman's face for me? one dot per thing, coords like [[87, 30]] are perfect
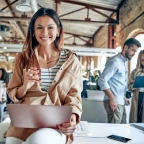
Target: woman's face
[[142, 60], [0, 74], [45, 30]]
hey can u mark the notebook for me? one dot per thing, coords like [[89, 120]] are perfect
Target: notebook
[[38, 116], [139, 82]]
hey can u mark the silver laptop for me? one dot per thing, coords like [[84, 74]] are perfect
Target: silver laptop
[[38, 116]]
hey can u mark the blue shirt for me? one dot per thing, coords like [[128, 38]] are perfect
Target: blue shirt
[[114, 77]]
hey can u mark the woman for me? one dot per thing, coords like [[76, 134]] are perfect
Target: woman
[[44, 74], [137, 112], [3, 82]]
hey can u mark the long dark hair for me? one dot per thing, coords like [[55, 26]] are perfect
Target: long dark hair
[[31, 42], [3, 74]]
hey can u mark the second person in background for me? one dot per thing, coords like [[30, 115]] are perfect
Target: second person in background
[[113, 81], [3, 98], [137, 104], [46, 74]]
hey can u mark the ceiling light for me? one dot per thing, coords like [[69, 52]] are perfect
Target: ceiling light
[[1, 37], [5, 48], [24, 6]]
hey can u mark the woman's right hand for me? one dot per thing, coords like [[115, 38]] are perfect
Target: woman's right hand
[[31, 76]]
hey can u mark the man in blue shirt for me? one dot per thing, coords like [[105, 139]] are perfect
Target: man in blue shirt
[[113, 81]]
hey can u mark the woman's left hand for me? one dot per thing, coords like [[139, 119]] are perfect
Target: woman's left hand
[[68, 128]]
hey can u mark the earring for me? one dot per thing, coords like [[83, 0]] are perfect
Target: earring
[[33, 35], [57, 35]]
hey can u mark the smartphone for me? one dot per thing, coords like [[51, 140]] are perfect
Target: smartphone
[[119, 138]]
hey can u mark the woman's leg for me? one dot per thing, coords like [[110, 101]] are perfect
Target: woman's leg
[[13, 140], [46, 136]]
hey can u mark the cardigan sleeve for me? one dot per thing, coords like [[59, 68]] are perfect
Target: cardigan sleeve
[[15, 81], [131, 81], [73, 97]]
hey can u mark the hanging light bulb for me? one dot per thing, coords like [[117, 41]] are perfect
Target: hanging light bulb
[[24, 6]]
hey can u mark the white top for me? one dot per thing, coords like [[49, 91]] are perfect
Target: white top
[[48, 74]]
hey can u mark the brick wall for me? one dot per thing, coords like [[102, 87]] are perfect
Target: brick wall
[[101, 38], [131, 18]]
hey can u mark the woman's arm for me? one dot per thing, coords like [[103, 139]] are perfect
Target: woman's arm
[[73, 98], [16, 80], [30, 77], [21, 81]]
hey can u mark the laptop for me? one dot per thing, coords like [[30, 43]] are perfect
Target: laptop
[[138, 126], [38, 116]]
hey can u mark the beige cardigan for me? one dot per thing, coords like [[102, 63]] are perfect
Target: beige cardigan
[[134, 102], [64, 90]]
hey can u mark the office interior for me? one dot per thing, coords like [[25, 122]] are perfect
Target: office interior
[[94, 29]]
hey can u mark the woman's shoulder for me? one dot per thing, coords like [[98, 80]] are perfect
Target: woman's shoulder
[[70, 53], [134, 71], [72, 58]]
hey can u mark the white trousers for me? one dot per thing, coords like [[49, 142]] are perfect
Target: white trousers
[[41, 136]]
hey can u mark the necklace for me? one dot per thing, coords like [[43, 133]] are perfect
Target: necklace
[[52, 61]]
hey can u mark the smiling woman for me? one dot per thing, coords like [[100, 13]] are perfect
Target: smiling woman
[[45, 74]]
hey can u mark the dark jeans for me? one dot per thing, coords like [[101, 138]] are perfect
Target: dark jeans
[[140, 107]]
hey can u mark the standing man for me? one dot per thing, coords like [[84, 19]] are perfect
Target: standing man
[[113, 81]]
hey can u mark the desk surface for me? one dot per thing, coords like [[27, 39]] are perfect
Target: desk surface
[[99, 132], [102, 130]]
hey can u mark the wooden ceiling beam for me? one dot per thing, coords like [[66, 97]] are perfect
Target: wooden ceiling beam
[[74, 45], [57, 6], [109, 18], [84, 21], [14, 18], [122, 3], [77, 35], [89, 5], [15, 25], [68, 37], [8, 5], [11, 41], [71, 12], [82, 39], [4, 18]]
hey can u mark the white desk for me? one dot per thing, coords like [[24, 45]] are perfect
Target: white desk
[[105, 129], [99, 130]]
